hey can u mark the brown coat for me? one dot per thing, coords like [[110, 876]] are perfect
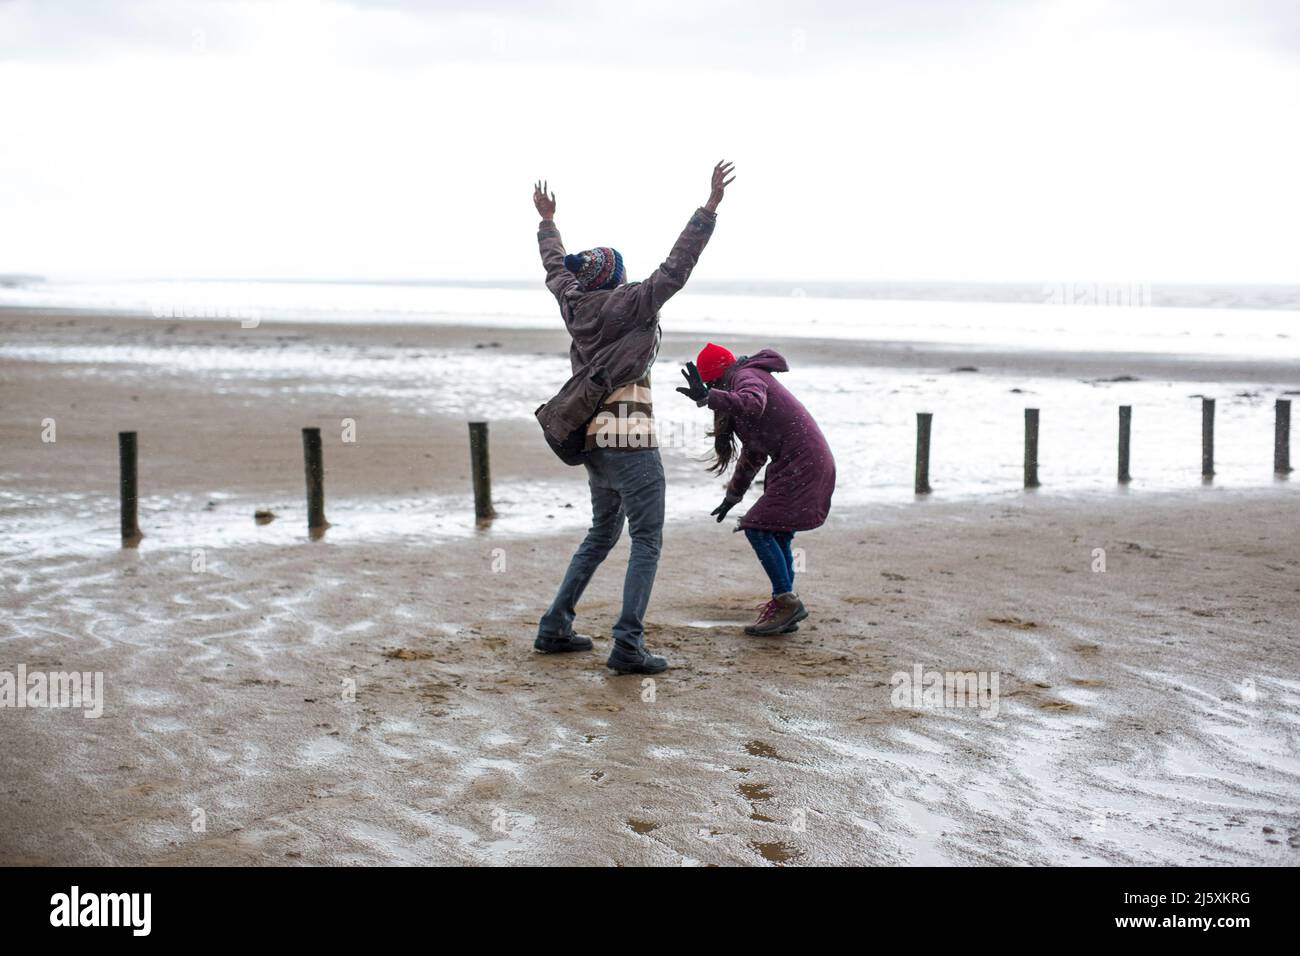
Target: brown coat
[[615, 332]]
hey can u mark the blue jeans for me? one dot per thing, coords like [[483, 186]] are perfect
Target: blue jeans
[[623, 484], [774, 553]]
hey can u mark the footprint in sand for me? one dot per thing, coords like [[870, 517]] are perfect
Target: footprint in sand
[[406, 654], [1014, 622], [641, 826], [756, 793], [1052, 704], [756, 748]]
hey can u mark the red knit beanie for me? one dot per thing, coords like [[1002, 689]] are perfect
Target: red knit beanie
[[712, 361]]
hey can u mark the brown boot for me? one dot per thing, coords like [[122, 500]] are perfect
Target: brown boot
[[781, 615]]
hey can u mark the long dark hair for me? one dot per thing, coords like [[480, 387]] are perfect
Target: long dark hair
[[724, 442], [724, 429]]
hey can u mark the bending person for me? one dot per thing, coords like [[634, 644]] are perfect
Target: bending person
[[751, 405]]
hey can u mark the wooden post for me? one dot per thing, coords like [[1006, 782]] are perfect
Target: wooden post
[[1125, 432], [1207, 437], [127, 484], [315, 469], [1282, 438], [481, 471], [1031, 448], [923, 452]]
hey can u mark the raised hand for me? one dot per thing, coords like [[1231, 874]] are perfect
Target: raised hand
[[545, 203], [695, 389], [722, 178]]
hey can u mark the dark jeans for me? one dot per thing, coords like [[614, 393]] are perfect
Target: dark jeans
[[773, 550], [623, 484]]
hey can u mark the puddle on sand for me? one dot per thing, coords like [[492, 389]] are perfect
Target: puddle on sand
[[49, 525], [778, 852], [926, 828], [915, 821], [321, 750], [510, 830], [1276, 752], [392, 846]]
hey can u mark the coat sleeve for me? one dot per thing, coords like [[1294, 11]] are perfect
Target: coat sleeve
[[668, 279], [747, 400], [746, 468], [558, 279]]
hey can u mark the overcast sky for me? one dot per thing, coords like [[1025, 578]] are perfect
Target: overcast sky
[[1063, 140]]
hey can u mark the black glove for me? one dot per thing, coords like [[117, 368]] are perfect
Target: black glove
[[722, 509], [695, 388]]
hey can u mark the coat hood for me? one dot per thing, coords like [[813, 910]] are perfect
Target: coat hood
[[767, 359]]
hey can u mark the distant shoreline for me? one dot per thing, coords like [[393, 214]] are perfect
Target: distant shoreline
[[19, 323], [1268, 296]]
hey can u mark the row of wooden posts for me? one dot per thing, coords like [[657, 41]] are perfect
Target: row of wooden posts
[[314, 466], [481, 473], [1281, 443]]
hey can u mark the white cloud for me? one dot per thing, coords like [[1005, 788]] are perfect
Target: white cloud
[[1068, 140]]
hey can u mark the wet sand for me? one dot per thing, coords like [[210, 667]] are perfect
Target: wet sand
[[1147, 714]]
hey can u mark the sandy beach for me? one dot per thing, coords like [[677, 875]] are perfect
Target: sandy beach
[[373, 697]]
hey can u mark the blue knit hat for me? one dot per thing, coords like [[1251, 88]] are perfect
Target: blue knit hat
[[599, 268]]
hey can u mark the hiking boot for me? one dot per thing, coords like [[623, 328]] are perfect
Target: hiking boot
[[559, 645], [781, 615], [788, 629], [635, 660]]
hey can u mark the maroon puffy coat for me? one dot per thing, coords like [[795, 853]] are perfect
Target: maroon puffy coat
[[772, 424]]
